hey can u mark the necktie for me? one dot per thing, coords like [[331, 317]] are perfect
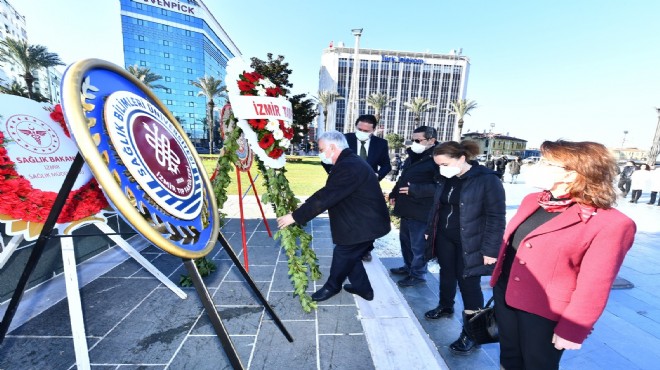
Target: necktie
[[363, 150]]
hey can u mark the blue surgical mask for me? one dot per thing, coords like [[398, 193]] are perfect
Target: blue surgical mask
[[324, 158]]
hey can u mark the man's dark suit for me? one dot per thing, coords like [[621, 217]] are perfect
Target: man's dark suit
[[377, 156], [358, 215]]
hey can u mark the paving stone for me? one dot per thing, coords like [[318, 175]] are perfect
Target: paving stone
[[275, 352], [206, 352], [287, 307], [238, 294], [261, 239], [242, 320], [262, 255], [338, 320], [257, 273], [37, 353], [344, 352]]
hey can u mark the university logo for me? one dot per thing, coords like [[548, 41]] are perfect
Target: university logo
[[154, 153]]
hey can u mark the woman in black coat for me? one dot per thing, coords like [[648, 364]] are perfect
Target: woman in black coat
[[466, 225]]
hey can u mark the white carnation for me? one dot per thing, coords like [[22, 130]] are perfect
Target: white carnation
[[272, 126], [261, 91], [278, 134], [266, 82], [285, 143]]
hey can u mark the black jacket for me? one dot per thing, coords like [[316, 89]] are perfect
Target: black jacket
[[378, 155], [419, 177], [482, 217], [354, 201]]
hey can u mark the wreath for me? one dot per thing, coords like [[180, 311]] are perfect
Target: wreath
[[268, 138], [20, 201]]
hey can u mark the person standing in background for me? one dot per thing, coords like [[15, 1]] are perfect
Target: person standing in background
[[624, 178], [640, 182], [655, 185], [514, 169]]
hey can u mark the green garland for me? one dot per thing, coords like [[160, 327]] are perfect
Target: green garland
[[302, 261]]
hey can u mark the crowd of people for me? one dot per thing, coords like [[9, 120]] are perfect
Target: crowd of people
[[551, 267]]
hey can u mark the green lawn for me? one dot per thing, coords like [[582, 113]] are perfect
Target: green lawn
[[305, 174]]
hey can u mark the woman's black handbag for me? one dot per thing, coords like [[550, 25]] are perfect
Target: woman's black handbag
[[480, 325]]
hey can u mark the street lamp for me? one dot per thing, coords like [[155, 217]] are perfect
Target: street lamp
[[621, 154], [490, 140]]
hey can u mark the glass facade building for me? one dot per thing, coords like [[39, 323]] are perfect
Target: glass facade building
[[402, 76], [180, 41]]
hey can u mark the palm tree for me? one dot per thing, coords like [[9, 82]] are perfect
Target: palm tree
[[326, 98], [379, 101], [14, 89], [211, 88], [417, 107], [460, 108], [29, 58], [145, 76]]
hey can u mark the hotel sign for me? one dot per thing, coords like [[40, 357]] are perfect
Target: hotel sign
[[175, 6], [390, 58]]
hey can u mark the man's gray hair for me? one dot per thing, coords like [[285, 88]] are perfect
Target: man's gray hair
[[334, 137]]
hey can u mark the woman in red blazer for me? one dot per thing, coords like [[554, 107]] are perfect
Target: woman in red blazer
[[560, 255]]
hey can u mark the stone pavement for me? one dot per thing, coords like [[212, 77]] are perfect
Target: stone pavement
[[132, 321]]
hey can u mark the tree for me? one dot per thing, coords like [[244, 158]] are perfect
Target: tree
[[29, 58], [394, 141], [145, 76], [417, 107], [211, 88], [14, 89], [277, 71], [379, 101], [460, 108], [326, 98]]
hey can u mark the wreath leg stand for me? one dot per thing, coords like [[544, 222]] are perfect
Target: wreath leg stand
[[75, 307]]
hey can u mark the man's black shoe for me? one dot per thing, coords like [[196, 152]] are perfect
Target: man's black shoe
[[399, 270], [323, 294], [368, 295], [464, 345], [410, 281], [438, 313], [367, 257]]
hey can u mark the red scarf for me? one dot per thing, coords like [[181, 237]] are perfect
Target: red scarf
[[562, 203]]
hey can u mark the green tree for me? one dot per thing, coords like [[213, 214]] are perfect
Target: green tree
[[29, 58], [460, 108], [211, 88], [145, 76], [278, 72], [417, 107], [394, 141], [14, 89], [379, 101], [326, 98]]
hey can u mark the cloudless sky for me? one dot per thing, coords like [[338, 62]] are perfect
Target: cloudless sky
[[540, 70]]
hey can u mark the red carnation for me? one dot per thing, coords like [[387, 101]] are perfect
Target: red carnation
[[245, 86], [273, 91], [266, 141], [254, 123], [288, 133], [252, 77], [261, 124], [275, 153]]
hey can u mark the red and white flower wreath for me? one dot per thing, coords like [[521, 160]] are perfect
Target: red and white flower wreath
[[20, 201], [268, 138]]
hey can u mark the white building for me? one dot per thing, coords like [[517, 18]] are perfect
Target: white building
[[13, 26], [440, 78]]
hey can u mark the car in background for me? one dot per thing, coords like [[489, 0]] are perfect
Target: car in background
[[531, 160]]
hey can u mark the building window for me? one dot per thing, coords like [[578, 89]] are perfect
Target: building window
[[165, 27], [167, 67], [191, 104], [140, 38], [143, 63], [188, 47], [138, 6], [189, 70], [188, 59], [166, 55], [168, 90], [188, 33], [191, 93], [168, 78], [140, 22], [190, 82], [163, 11], [168, 102], [166, 43], [191, 115], [186, 17], [142, 51]]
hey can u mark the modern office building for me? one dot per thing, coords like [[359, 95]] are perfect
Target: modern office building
[[180, 41], [402, 76], [13, 26]]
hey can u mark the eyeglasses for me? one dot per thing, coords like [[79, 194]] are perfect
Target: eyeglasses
[[419, 140], [545, 162]]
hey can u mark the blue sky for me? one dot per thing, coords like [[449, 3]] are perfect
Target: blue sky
[[540, 70]]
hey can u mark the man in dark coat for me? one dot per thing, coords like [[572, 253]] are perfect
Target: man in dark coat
[[357, 211], [412, 197], [372, 149]]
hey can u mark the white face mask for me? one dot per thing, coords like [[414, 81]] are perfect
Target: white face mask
[[417, 148], [449, 171], [541, 177], [324, 158], [362, 136]]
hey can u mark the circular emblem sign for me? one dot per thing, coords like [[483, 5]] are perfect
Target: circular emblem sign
[[141, 157], [154, 153]]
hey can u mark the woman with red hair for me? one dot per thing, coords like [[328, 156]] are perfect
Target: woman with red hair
[[560, 255]]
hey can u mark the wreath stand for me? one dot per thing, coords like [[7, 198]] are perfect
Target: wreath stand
[[240, 206], [73, 293]]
